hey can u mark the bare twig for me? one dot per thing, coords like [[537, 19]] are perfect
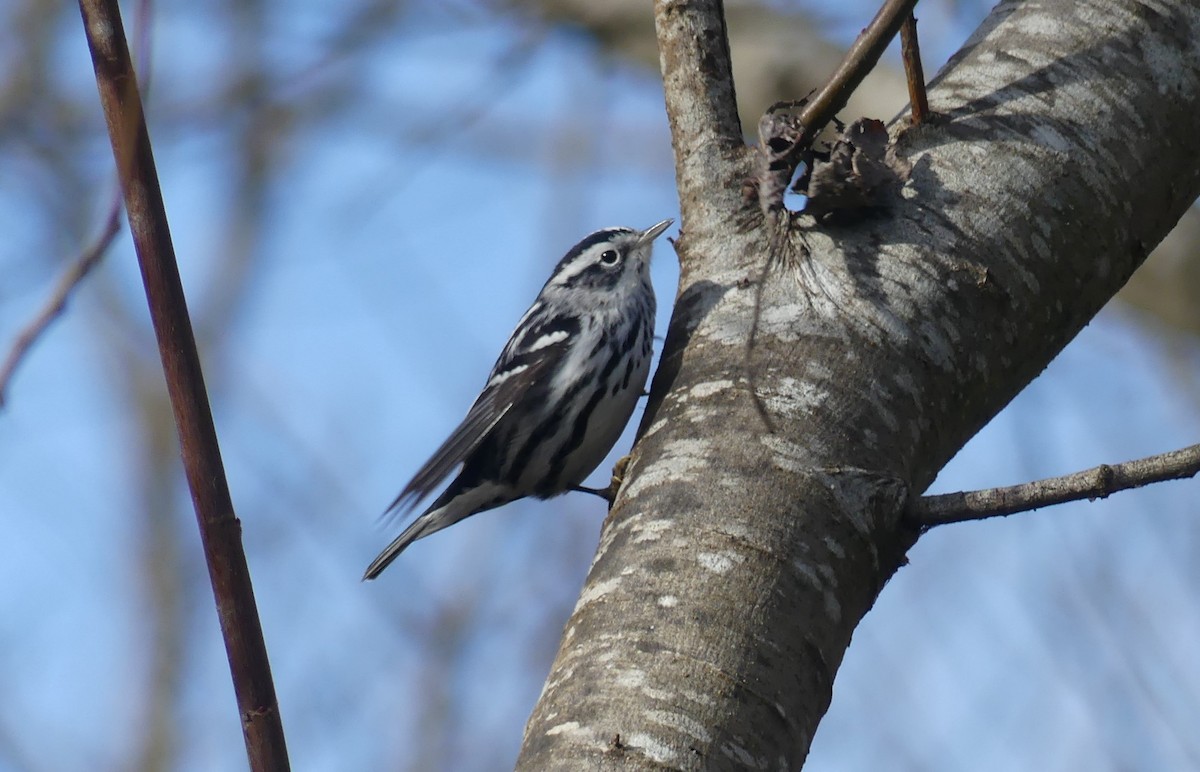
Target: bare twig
[[859, 60], [220, 530], [910, 52], [786, 136], [57, 302], [1096, 483], [94, 252]]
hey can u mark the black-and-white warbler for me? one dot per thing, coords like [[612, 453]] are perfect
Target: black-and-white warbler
[[559, 395]]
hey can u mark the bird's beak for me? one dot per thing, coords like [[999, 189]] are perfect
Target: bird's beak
[[651, 233]]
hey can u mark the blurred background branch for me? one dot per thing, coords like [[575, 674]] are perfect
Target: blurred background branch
[[57, 303]]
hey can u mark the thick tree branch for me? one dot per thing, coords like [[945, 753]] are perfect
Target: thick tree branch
[[701, 105], [220, 530], [1095, 483], [735, 563]]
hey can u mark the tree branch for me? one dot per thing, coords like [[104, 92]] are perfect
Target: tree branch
[[220, 530], [57, 302], [94, 253], [860, 60], [700, 100], [785, 136], [735, 564], [910, 51], [1095, 483]]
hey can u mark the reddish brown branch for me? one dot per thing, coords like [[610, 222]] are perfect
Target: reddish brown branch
[[220, 530], [57, 302], [1096, 483], [910, 52], [859, 60]]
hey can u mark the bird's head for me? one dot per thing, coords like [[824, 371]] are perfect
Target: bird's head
[[612, 262]]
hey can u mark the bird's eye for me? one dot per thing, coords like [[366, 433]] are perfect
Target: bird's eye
[[609, 257]]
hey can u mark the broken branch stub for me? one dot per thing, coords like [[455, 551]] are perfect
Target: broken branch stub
[[860, 175]]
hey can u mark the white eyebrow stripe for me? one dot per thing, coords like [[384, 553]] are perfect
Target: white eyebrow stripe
[[548, 340], [574, 268]]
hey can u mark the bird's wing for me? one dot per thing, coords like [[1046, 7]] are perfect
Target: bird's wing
[[524, 362]]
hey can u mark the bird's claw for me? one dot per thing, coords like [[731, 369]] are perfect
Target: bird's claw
[[609, 494]]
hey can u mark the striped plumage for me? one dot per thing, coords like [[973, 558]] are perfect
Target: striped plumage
[[558, 397]]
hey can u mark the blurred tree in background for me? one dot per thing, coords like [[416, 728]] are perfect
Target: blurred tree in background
[[364, 197]]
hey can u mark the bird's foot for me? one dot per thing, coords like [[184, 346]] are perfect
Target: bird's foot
[[603, 493], [609, 493]]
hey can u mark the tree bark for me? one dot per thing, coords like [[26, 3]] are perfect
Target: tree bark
[[737, 562]]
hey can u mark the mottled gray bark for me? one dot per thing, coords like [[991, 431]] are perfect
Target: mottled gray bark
[[736, 562]]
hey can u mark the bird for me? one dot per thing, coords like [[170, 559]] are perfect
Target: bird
[[557, 398]]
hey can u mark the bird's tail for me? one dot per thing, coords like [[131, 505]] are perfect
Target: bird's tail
[[453, 505], [422, 526]]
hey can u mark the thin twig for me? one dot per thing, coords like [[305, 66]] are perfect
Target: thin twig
[[94, 252], [57, 302], [859, 60], [910, 52], [220, 530], [1096, 483]]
